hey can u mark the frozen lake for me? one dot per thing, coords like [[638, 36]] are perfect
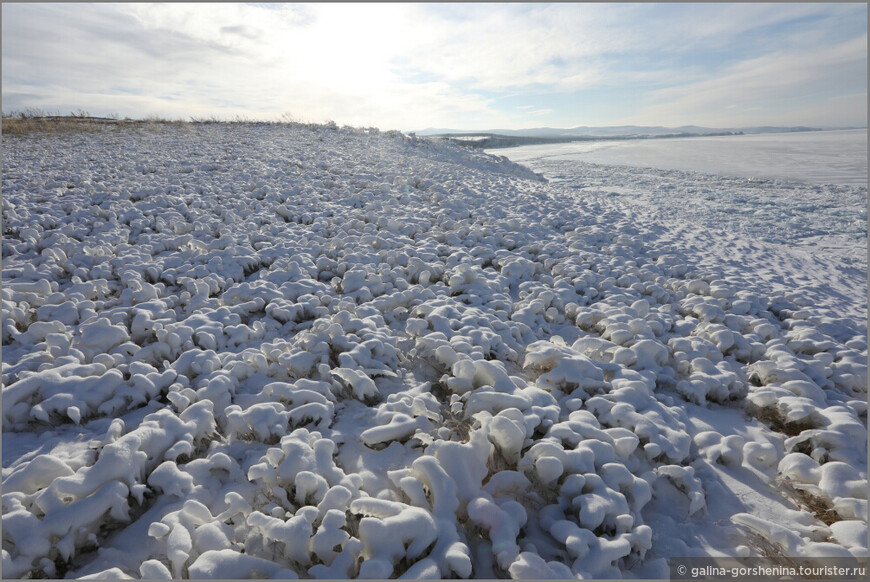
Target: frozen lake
[[818, 157]]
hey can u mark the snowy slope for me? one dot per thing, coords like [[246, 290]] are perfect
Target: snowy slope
[[771, 233], [287, 351]]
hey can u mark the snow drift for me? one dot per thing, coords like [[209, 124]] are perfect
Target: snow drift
[[288, 351]]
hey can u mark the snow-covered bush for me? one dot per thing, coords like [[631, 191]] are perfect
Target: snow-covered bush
[[302, 351]]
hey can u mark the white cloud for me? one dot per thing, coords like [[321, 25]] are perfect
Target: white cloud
[[415, 65]]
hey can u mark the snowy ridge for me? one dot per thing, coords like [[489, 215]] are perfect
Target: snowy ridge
[[237, 351]]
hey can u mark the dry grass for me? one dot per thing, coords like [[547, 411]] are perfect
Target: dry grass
[[457, 425], [770, 550], [36, 121], [33, 121], [762, 546], [818, 506], [773, 418], [24, 126]]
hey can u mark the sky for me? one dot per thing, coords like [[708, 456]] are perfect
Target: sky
[[460, 66]]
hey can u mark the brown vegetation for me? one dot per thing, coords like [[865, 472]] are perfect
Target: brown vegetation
[[774, 419], [818, 506], [37, 121]]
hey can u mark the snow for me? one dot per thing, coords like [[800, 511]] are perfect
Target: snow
[[235, 351], [794, 205], [814, 157]]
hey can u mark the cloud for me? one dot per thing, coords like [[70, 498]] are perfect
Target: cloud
[[244, 31], [414, 65], [765, 87]]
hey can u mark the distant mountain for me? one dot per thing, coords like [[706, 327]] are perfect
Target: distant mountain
[[772, 129], [612, 131]]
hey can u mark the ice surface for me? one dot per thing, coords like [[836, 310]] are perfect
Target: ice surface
[[308, 352], [814, 157]]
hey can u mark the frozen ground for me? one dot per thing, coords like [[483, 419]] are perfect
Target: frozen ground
[[251, 350]]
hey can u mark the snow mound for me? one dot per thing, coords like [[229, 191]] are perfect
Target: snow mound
[[310, 352]]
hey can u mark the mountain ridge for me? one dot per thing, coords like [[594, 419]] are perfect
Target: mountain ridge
[[621, 130]]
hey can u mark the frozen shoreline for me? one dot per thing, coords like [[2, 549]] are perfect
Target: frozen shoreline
[[792, 234], [302, 351]]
